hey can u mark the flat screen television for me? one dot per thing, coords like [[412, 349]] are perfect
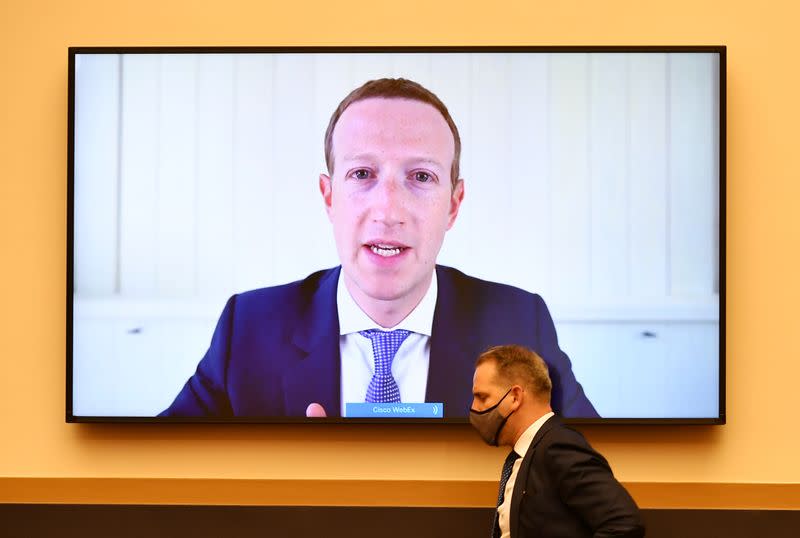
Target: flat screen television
[[225, 257]]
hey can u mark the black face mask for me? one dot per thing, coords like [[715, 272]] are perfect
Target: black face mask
[[489, 422]]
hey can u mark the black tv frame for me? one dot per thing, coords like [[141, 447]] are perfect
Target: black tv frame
[[721, 50]]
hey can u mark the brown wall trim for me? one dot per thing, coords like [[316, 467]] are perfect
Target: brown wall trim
[[422, 493], [136, 521]]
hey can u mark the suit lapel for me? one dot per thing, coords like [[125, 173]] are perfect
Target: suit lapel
[[314, 377], [521, 484], [453, 342]]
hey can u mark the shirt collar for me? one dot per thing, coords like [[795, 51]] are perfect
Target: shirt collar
[[525, 440], [352, 319]]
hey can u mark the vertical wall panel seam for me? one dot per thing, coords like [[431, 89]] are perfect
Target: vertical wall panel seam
[[628, 209], [120, 145], [668, 284], [196, 178], [549, 170], [236, 61], [158, 178], [589, 175]]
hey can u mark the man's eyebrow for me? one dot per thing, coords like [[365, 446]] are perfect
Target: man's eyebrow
[[425, 160], [371, 157], [359, 157]]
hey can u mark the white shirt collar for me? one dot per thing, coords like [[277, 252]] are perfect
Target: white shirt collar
[[525, 440], [352, 319]]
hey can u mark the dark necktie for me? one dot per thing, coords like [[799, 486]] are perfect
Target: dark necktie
[[383, 387], [508, 466]]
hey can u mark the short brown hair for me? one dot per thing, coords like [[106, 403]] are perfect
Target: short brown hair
[[394, 88], [519, 365]]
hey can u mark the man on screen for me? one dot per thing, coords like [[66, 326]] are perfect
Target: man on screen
[[388, 325]]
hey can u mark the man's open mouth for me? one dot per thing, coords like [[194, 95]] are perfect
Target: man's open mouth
[[387, 251]]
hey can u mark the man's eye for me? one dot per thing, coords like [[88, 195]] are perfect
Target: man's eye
[[361, 173], [423, 177]]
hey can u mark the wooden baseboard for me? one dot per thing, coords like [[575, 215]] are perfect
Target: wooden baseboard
[[410, 493]]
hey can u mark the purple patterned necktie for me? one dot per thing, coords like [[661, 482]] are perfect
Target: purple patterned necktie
[[508, 466], [382, 387]]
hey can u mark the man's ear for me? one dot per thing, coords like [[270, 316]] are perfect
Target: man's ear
[[456, 198], [326, 189], [517, 394]]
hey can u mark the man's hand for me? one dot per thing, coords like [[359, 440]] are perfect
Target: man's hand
[[315, 410]]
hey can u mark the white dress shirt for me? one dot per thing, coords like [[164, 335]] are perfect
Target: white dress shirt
[[520, 447], [410, 365]]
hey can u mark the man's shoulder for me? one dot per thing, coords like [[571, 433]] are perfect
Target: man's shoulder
[[561, 445], [554, 431], [557, 430], [483, 290], [310, 283], [496, 312], [290, 296]]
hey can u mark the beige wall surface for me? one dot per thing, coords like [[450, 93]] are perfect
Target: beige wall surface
[[760, 442]]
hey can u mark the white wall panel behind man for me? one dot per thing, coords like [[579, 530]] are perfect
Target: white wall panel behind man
[[139, 166], [176, 189], [96, 168], [609, 144]]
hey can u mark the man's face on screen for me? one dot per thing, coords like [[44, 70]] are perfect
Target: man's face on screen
[[390, 198]]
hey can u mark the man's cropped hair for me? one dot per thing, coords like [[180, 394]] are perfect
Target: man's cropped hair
[[394, 88], [518, 365]]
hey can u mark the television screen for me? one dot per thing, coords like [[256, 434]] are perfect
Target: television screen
[[336, 234]]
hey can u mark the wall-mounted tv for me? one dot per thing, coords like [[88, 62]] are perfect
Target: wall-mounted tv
[[335, 234]]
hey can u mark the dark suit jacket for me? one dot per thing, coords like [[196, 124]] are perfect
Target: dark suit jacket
[[565, 488], [275, 350]]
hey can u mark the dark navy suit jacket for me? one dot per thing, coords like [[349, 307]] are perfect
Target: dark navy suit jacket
[[276, 350], [565, 488]]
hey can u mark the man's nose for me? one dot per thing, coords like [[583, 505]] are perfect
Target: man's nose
[[389, 200]]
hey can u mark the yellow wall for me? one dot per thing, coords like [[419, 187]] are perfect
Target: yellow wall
[[760, 443]]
